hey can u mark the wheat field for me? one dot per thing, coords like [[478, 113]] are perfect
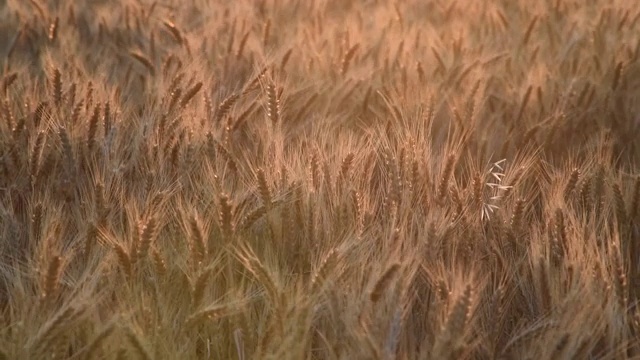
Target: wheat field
[[322, 179]]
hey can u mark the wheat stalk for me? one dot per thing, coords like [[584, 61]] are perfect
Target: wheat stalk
[[251, 262], [138, 344], [49, 332], [449, 342], [97, 341], [197, 292]]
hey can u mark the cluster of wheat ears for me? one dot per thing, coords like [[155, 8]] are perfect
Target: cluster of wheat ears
[[327, 179]]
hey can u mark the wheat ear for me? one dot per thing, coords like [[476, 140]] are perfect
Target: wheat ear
[[190, 94], [52, 278], [384, 282]]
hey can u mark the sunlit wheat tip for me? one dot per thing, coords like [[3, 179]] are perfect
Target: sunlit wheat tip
[[53, 29]]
